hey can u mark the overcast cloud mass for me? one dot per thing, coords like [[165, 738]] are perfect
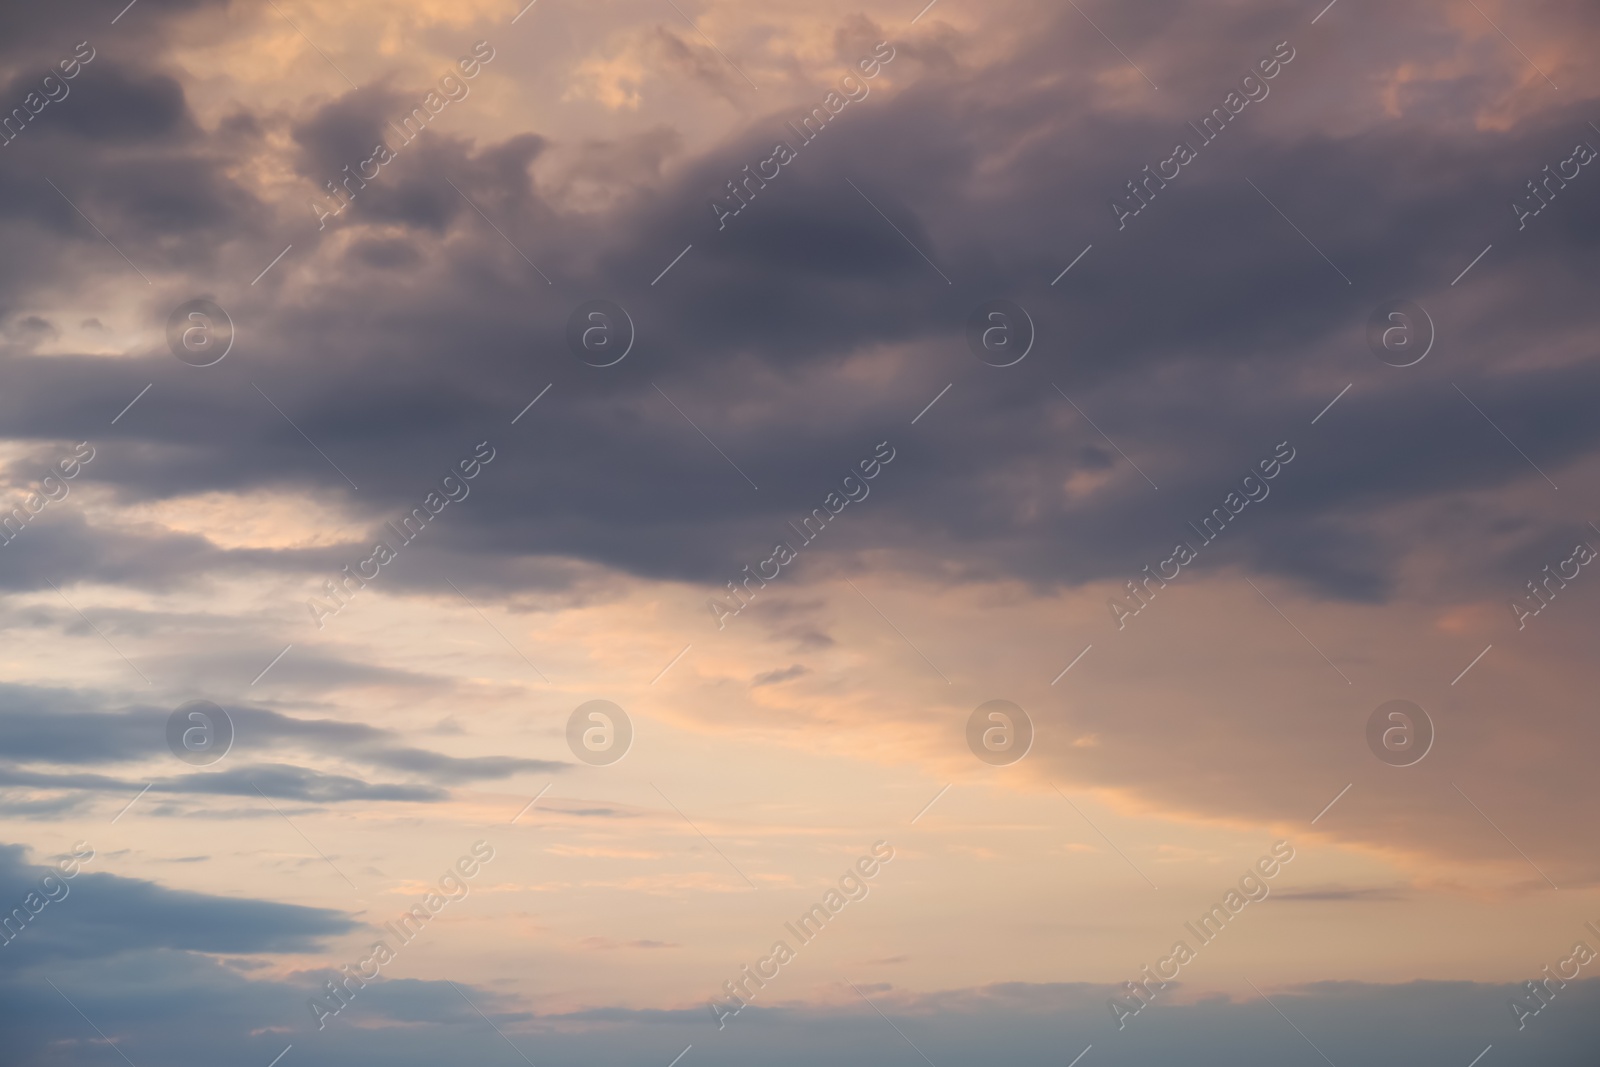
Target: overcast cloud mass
[[516, 520]]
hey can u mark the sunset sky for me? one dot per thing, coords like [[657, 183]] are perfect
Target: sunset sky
[[1197, 378]]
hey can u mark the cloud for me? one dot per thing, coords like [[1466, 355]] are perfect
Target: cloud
[[104, 915], [1361, 894], [66, 728], [610, 943], [414, 1022], [773, 677]]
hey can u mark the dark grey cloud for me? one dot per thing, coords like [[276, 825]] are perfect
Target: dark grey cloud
[[1433, 1024], [50, 728], [109, 102], [1154, 336], [103, 915], [272, 780], [773, 677]]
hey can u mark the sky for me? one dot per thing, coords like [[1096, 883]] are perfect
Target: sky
[[697, 533]]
